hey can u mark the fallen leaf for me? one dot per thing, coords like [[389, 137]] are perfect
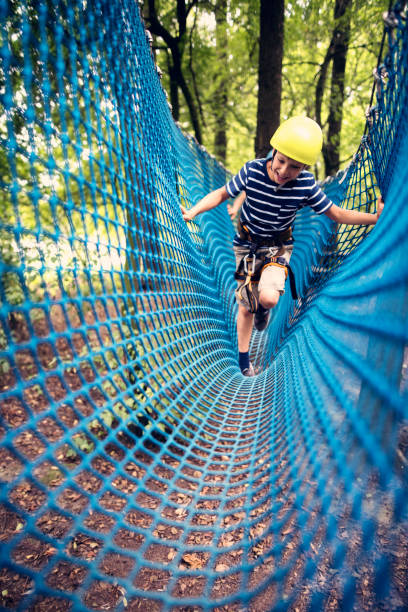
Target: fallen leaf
[[193, 560]]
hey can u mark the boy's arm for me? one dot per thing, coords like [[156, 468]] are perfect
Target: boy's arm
[[354, 217], [233, 210], [211, 200]]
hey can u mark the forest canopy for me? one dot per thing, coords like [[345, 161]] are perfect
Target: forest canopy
[[330, 49]]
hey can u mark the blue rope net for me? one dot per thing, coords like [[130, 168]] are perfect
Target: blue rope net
[[139, 469]]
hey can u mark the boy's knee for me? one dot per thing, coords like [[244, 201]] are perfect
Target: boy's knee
[[269, 298]]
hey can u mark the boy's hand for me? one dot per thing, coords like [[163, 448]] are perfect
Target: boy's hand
[[380, 206], [232, 211], [187, 216]]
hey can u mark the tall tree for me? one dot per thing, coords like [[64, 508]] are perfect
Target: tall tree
[[176, 44], [337, 54], [269, 73], [221, 90], [308, 28]]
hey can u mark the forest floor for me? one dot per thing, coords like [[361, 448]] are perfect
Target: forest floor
[[53, 514]]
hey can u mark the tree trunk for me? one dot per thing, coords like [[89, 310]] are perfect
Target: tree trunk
[[269, 73], [174, 91], [220, 100], [175, 45], [321, 81], [340, 41], [189, 98]]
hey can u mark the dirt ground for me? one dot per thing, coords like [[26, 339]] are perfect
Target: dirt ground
[[31, 496]]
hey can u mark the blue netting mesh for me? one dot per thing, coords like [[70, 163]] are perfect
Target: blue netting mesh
[[139, 469]]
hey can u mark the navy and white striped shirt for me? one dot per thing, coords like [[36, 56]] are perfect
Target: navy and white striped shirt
[[269, 207]]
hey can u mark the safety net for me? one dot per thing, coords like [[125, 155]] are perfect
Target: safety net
[[139, 469]]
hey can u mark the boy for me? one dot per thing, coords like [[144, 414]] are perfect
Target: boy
[[276, 189]]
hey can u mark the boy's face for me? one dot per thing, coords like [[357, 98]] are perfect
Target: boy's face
[[284, 168]]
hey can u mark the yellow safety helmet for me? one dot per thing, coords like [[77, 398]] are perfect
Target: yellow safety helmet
[[299, 138]]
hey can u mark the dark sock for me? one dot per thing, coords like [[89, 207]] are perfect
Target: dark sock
[[243, 361]]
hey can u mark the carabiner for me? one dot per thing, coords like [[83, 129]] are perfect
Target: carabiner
[[246, 263]]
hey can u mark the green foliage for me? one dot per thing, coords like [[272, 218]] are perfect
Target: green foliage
[[10, 279], [308, 29], [202, 68], [34, 269]]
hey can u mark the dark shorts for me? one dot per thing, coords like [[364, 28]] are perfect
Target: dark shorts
[[273, 275]]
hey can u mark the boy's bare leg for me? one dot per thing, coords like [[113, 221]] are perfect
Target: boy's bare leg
[[245, 321], [268, 298]]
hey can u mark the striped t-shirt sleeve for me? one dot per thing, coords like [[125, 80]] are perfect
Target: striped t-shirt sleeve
[[318, 200], [238, 182]]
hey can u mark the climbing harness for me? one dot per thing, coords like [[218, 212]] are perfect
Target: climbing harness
[[250, 274], [275, 239]]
